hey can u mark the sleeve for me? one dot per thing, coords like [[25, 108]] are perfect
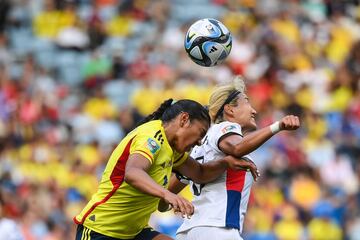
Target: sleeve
[[225, 129], [146, 145], [180, 159], [182, 178]]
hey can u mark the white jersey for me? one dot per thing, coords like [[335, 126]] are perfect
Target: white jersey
[[223, 202]]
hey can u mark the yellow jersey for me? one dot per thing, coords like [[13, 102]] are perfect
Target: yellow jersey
[[117, 209]]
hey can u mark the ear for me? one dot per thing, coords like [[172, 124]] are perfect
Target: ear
[[228, 109], [184, 118]]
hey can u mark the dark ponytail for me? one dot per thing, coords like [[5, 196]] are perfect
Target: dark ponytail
[[158, 113], [168, 111]]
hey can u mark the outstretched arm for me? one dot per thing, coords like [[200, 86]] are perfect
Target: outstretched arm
[[203, 173], [239, 146], [207, 172]]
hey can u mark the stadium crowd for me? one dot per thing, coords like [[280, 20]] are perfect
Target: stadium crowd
[[77, 75]]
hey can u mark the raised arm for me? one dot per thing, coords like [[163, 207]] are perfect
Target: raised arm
[[239, 146]]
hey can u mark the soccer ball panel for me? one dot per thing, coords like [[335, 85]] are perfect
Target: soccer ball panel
[[213, 50], [196, 53]]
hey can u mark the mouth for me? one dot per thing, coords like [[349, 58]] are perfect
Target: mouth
[[253, 119]]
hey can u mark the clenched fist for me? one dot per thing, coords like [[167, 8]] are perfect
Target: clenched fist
[[289, 122]]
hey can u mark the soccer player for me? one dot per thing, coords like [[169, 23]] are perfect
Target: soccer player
[[137, 174], [220, 206]]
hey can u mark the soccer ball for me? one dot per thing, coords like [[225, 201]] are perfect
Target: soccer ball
[[208, 42]]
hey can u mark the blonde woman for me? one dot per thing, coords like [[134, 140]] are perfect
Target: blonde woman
[[220, 206]]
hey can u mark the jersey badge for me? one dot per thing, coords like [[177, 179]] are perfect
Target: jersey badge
[[152, 145], [228, 129]]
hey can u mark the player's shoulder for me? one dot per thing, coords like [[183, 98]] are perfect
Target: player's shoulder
[[148, 139], [152, 129], [150, 126], [225, 127]]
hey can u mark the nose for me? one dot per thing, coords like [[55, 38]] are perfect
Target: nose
[[253, 111]]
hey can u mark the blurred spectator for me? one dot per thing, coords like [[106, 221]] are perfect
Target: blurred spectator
[[73, 37], [99, 107], [122, 25], [354, 230], [118, 67], [96, 70], [304, 191], [9, 229], [322, 228], [344, 177], [289, 227], [141, 96], [51, 21], [285, 27], [5, 55], [129, 118], [5, 6], [96, 29]]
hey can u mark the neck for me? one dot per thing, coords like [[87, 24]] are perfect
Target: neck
[[246, 131], [169, 132]]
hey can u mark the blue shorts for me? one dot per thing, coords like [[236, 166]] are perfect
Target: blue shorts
[[84, 233]]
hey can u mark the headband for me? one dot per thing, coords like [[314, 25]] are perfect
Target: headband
[[231, 97]]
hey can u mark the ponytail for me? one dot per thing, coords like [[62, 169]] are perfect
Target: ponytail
[[169, 110], [158, 113]]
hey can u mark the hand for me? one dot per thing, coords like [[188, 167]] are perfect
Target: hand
[[179, 204], [250, 166], [243, 164], [289, 122], [163, 206]]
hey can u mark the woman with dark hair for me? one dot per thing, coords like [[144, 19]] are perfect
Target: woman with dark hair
[[137, 174]]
